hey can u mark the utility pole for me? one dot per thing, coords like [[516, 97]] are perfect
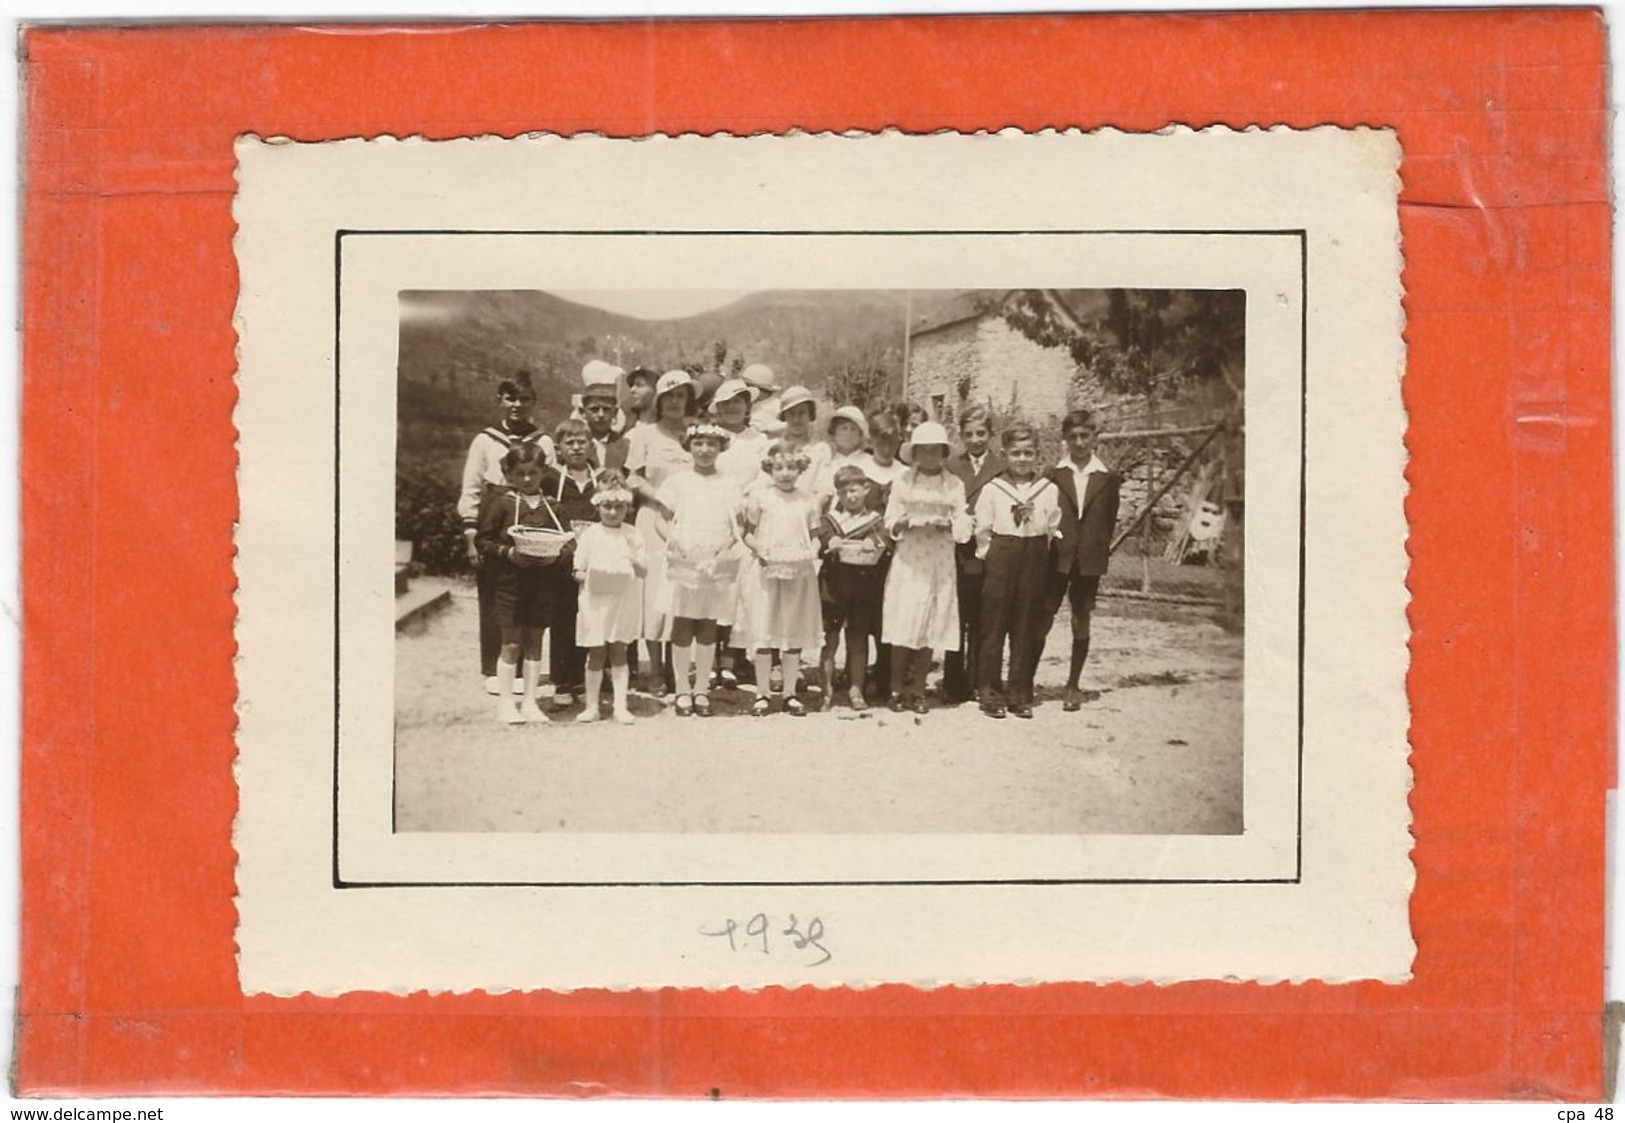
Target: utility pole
[[908, 330]]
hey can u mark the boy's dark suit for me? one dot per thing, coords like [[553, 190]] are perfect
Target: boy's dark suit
[[959, 667], [615, 449], [1083, 550]]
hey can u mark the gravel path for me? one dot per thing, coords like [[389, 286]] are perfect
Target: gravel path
[[1158, 752]]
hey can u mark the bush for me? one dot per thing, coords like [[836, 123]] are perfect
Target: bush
[[426, 516]]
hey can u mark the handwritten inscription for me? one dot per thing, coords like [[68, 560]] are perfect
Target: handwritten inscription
[[762, 935]]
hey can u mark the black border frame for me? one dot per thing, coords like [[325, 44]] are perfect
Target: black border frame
[[1303, 467]]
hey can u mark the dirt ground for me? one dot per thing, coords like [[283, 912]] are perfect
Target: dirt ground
[[1159, 751]]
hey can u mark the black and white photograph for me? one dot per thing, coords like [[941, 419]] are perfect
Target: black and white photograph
[[820, 561], [639, 535]]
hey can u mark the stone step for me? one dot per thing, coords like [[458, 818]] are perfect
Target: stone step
[[419, 604]]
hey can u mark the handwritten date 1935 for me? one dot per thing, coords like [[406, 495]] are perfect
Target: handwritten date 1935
[[761, 934]]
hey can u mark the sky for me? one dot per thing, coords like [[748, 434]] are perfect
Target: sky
[[653, 304]]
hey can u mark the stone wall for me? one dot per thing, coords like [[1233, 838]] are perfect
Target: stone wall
[[988, 362], [941, 363], [1020, 378]]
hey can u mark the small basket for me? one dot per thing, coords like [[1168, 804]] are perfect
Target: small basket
[[785, 569], [859, 551], [608, 580], [539, 541], [688, 573], [681, 571], [929, 512]]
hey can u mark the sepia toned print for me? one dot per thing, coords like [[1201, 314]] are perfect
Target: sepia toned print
[[745, 562], [1150, 741]]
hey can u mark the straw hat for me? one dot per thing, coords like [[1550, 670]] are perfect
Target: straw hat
[[925, 433], [731, 389], [599, 378], [852, 414], [761, 377], [796, 396], [673, 380]]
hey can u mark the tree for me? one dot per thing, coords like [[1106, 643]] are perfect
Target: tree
[[1154, 342], [864, 380]]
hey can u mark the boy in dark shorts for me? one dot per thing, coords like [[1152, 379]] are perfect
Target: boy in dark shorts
[[851, 581]]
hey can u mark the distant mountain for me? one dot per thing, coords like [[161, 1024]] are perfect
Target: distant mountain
[[455, 347]]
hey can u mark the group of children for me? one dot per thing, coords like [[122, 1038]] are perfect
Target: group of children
[[730, 540]]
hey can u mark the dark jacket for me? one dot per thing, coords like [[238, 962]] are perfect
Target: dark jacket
[[615, 449], [572, 503], [1086, 541], [498, 512], [959, 464]]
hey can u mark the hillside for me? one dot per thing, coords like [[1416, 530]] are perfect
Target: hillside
[[456, 346]]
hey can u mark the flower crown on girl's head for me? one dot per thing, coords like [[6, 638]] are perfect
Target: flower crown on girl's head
[[615, 494], [707, 429], [781, 451]]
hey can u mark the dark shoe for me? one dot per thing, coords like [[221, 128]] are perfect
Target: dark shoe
[[993, 709], [761, 707], [899, 704], [1074, 700], [920, 706], [793, 707], [685, 705], [1022, 711], [702, 705]]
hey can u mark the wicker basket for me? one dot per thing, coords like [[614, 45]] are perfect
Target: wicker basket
[[786, 568], [859, 551], [539, 541], [698, 575], [929, 513]]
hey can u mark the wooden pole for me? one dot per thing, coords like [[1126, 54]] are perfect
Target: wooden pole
[[1145, 524], [1163, 490], [908, 332], [1136, 434]]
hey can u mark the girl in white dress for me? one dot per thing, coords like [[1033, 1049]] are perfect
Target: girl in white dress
[[609, 566], [926, 515], [701, 537], [779, 605], [741, 460]]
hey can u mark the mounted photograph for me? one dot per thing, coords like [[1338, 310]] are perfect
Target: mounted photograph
[[906, 545], [820, 561]]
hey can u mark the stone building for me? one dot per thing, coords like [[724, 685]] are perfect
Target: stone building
[[973, 356], [976, 357]]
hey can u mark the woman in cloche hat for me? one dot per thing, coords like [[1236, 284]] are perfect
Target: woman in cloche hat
[[654, 453]]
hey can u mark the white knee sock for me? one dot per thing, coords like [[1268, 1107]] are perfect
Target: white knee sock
[[619, 679], [705, 657], [682, 660], [594, 680], [790, 663], [527, 676], [505, 672]]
